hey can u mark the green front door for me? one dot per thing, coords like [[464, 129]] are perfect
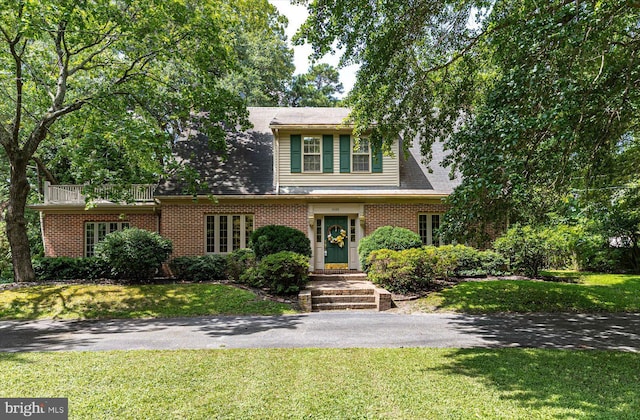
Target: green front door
[[337, 242]]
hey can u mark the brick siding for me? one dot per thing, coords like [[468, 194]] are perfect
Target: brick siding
[[184, 224], [64, 233], [401, 215]]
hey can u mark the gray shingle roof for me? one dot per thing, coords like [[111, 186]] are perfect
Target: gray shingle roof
[[248, 168]]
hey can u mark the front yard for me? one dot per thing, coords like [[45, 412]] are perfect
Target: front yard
[[331, 383], [99, 301], [586, 292]]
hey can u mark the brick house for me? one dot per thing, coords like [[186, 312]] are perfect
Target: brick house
[[298, 167]]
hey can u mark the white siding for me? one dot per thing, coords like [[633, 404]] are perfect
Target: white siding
[[390, 176]]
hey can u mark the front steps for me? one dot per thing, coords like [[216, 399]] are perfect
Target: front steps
[[328, 292]]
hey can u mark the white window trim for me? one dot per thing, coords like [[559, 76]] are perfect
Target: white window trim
[[119, 226], [354, 153], [429, 233], [244, 239], [319, 138]]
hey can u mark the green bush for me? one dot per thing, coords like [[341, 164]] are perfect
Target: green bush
[[272, 239], [526, 248], [387, 237], [65, 268], [283, 273], [593, 253], [405, 271], [134, 253], [199, 268], [492, 263], [238, 262]]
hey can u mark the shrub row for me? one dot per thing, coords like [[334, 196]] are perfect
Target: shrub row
[[199, 268], [414, 269], [387, 237], [65, 268], [284, 272]]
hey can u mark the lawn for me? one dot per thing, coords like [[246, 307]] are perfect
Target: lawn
[[588, 293], [96, 301], [331, 383]]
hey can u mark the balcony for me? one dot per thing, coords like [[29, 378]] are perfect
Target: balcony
[[73, 194]]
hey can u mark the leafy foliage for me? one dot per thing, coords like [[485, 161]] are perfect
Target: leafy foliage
[[414, 269], [271, 239], [134, 254], [387, 237], [199, 268], [533, 100], [406, 271], [283, 273], [526, 248], [317, 87], [239, 262], [65, 268], [91, 87]]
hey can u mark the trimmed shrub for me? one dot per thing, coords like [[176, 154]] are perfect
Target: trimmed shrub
[[65, 268], [272, 239], [405, 271], [134, 253], [283, 273], [199, 268], [387, 237], [238, 262], [493, 263], [526, 249]]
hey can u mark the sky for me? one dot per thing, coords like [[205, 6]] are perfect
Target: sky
[[297, 14]]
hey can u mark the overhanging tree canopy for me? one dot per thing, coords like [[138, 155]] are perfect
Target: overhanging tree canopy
[[532, 98], [131, 72]]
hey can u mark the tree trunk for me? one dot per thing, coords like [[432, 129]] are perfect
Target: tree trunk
[[17, 224]]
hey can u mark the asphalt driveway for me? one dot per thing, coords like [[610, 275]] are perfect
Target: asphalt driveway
[[329, 329]]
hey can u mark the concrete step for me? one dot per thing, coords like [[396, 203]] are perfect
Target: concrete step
[[338, 277], [343, 299], [343, 306], [330, 291]]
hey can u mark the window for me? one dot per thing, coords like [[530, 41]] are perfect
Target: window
[[352, 229], [95, 232], [311, 159], [227, 232], [319, 233], [428, 225], [361, 156]]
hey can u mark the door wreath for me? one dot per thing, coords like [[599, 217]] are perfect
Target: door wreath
[[339, 238]]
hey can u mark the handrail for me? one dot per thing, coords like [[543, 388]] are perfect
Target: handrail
[[71, 194]]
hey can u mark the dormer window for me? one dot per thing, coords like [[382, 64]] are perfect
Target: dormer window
[[312, 154], [361, 156]]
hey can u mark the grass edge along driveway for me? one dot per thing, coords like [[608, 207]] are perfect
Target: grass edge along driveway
[[102, 301], [587, 293]]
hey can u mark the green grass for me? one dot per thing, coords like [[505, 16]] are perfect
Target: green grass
[[332, 383], [591, 293], [92, 301]]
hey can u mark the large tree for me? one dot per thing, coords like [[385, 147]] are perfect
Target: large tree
[[531, 98], [317, 87], [265, 58], [126, 73]]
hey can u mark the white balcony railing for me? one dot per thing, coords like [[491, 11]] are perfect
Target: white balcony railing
[[73, 194]]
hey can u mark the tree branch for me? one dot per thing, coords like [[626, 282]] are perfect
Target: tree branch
[[43, 168]]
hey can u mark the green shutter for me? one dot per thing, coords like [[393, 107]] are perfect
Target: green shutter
[[327, 153], [296, 153], [376, 160], [345, 153]]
